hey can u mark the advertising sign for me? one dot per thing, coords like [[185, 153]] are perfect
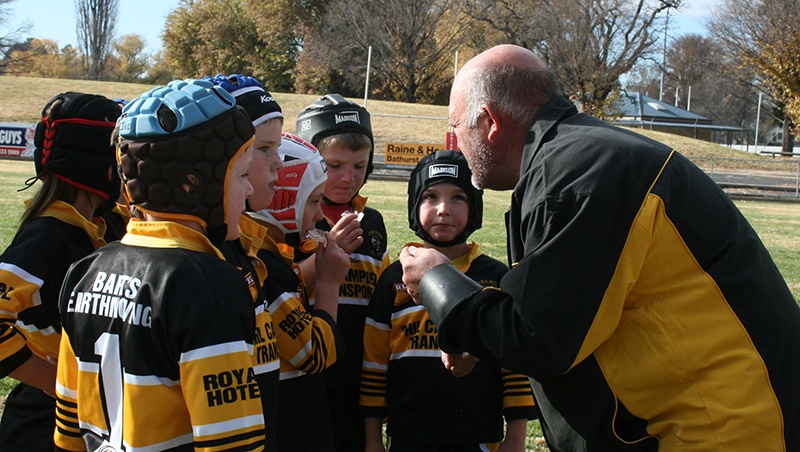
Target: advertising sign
[[408, 153], [16, 140]]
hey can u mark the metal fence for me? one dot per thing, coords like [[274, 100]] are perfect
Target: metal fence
[[741, 178], [774, 179]]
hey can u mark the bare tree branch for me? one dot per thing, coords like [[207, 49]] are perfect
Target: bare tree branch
[[96, 24], [588, 44], [10, 35], [765, 36], [413, 42]]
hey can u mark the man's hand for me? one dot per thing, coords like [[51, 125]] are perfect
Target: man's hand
[[460, 365], [416, 262]]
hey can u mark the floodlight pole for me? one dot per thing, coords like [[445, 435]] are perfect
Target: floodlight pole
[[689, 100], [664, 58], [758, 120], [366, 83]]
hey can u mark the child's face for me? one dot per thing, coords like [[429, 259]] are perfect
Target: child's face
[[444, 211], [313, 209], [237, 190], [346, 172], [266, 163]]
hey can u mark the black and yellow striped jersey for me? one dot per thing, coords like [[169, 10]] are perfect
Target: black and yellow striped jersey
[[403, 378], [645, 307], [32, 269], [308, 342], [157, 350], [266, 361], [367, 263]]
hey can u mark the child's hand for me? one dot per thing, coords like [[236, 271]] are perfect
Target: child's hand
[[347, 232], [331, 262], [460, 365]]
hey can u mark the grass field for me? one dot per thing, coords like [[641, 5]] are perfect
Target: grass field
[[777, 224], [391, 121]]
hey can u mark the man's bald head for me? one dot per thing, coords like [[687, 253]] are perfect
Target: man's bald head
[[510, 77], [492, 104], [507, 54]]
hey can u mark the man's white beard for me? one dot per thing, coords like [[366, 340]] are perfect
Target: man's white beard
[[488, 168]]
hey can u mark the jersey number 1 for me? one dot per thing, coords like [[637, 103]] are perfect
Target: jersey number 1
[[107, 346]]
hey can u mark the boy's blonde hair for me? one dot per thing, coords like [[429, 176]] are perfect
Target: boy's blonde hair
[[333, 115], [350, 140]]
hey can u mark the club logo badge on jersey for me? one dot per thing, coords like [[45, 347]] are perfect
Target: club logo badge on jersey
[[377, 243], [401, 295]]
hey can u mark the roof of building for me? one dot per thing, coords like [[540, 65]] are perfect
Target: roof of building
[[637, 106], [630, 122]]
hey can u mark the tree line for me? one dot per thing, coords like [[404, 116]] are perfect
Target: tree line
[[598, 49]]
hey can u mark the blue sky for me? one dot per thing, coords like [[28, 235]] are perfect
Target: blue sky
[[55, 19]]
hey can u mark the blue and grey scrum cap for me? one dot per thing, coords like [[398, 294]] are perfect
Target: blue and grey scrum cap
[[185, 134]]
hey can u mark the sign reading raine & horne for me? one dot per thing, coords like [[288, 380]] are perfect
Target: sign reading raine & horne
[[16, 140], [408, 153]]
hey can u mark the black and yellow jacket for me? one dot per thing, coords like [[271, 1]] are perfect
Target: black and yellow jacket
[[403, 378], [642, 303], [157, 347], [308, 342]]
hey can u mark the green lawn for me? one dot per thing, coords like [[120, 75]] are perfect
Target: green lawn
[[777, 224]]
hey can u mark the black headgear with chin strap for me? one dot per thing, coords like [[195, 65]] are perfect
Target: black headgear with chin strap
[[74, 143], [332, 114], [444, 166]]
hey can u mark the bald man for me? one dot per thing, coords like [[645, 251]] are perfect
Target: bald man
[[641, 303]]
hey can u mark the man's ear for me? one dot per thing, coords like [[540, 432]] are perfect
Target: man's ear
[[494, 123]]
